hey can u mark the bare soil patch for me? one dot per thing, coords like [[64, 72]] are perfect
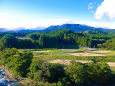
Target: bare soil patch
[[85, 54], [67, 62], [111, 64]]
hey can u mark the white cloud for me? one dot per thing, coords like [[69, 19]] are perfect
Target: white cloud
[[13, 23], [106, 9], [90, 6], [102, 24], [12, 20]]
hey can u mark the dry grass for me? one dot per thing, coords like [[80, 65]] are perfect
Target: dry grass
[[58, 50], [67, 62]]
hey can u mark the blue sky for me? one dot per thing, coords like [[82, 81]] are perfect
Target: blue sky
[[43, 13]]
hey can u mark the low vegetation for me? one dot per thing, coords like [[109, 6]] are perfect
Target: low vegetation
[[23, 65]]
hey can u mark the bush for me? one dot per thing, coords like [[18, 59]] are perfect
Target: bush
[[99, 73], [45, 72], [15, 61], [77, 73], [21, 63], [88, 74]]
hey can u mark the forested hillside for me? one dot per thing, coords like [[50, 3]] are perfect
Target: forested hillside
[[75, 28], [72, 27], [60, 38]]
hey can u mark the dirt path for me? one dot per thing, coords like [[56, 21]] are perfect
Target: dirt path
[[61, 51], [67, 62], [101, 51]]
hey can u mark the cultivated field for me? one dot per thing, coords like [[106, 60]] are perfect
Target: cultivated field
[[64, 56]]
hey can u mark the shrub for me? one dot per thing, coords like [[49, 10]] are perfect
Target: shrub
[[46, 72], [88, 74], [99, 73], [76, 73]]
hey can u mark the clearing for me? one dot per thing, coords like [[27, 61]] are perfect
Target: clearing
[[67, 62]]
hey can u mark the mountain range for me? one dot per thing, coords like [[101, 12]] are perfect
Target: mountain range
[[72, 27], [3, 30], [76, 28]]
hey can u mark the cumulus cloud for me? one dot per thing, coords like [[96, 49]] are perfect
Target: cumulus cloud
[[106, 9]]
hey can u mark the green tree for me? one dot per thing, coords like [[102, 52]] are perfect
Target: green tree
[[77, 73], [21, 63], [45, 72], [41, 41]]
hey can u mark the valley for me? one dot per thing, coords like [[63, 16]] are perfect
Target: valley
[[30, 55], [57, 43]]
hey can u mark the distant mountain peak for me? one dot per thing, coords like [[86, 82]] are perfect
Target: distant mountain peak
[[72, 27], [76, 28]]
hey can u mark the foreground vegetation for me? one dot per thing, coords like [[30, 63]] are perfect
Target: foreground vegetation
[[40, 72]]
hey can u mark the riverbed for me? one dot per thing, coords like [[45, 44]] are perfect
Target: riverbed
[[5, 80]]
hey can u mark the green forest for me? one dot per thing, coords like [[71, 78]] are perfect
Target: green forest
[[60, 38]]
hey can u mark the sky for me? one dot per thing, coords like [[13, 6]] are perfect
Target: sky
[[29, 14]]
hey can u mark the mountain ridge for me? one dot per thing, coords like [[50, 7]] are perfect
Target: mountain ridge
[[76, 28], [72, 27]]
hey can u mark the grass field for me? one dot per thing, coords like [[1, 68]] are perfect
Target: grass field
[[107, 57], [52, 54]]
